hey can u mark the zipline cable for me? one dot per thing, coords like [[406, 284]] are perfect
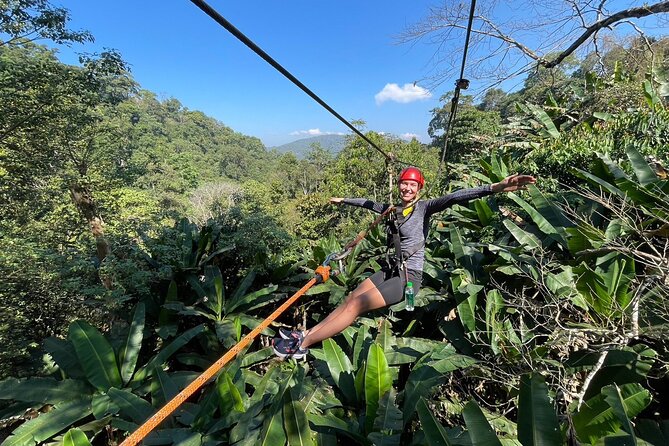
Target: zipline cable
[[211, 12], [461, 83], [322, 275]]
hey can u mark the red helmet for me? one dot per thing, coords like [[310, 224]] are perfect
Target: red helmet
[[413, 173]]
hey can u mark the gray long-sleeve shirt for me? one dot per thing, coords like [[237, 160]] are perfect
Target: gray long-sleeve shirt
[[413, 231]]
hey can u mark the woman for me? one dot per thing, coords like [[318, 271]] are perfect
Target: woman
[[386, 287]]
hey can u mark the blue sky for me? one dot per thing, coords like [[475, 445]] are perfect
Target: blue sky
[[344, 51]]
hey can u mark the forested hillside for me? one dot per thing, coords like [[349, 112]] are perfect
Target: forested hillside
[[140, 240]]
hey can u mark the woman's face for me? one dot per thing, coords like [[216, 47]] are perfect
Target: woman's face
[[408, 190]]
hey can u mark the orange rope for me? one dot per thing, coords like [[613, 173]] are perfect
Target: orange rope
[[322, 274]]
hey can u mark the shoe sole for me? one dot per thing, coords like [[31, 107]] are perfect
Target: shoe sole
[[296, 355], [290, 355]]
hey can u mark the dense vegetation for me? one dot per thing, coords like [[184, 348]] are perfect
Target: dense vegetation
[[139, 240]]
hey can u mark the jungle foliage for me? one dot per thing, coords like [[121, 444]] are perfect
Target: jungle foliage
[[140, 240]]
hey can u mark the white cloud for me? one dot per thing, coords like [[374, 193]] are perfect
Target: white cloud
[[404, 95], [313, 132], [408, 136]]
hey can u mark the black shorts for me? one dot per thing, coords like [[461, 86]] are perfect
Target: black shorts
[[391, 285]]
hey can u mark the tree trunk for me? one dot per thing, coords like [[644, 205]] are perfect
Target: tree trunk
[[83, 200]]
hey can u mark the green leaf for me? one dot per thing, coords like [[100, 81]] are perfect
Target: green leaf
[[340, 369], [542, 222], [64, 355], [483, 211], [424, 379], [252, 300], [596, 418], [378, 381], [75, 437], [272, 432], [524, 238], [435, 434], [130, 350], [131, 406], [480, 431], [229, 396], [295, 422], [48, 424], [167, 351], [651, 96], [166, 316], [96, 356], [215, 299], [389, 416], [615, 400], [537, 419], [42, 390], [330, 421], [361, 347], [540, 114], [163, 389], [644, 173], [385, 336]]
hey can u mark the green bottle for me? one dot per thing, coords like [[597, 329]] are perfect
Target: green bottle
[[408, 296]]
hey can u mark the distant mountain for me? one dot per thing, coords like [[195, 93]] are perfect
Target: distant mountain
[[332, 143]]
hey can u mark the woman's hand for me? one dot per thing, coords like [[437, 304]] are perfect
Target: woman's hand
[[336, 200], [513, 183]]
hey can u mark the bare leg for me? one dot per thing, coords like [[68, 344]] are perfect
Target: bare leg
[[365, 286], [363, 299]]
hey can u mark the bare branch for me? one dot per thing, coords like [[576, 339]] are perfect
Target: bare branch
[[605, 23]]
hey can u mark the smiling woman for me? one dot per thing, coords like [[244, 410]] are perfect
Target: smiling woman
[[407, 229]]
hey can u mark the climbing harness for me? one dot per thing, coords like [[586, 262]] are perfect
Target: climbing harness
[[322, 274]]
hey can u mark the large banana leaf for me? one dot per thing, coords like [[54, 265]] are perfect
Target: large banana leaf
[[229, 396], [163, 389], [330, 421], [388, 423], [627, 365], [340, 369], [378, 381], [96, 356], [46, 425], [131, 406], [424, 379], [480, 431], [542, 222], [644, 173], [614, 399], [252, 418], [549, 128], [64, 355], [537, 420], [272, 432], [215, 291], [252, 301], [133, 343], [547, 209], [75, 437], [597, 418], [42, 390], [363, 340], [525, 238], [385, 337], [166, 352], [494, 305], [295, 421], [166, 319], [435, 434]]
